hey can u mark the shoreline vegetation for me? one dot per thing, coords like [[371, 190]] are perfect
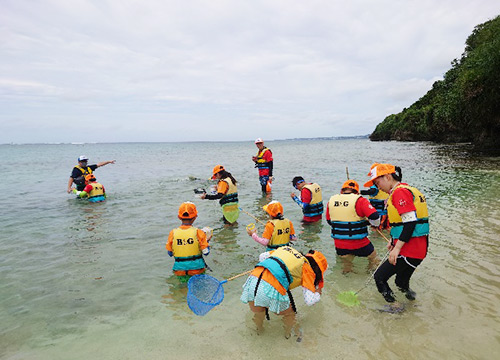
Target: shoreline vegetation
[[464, 107]]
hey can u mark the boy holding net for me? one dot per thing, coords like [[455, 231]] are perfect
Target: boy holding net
[[187, 244]]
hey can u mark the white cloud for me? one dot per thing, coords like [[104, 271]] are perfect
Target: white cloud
[[227, 70], [411, 89]]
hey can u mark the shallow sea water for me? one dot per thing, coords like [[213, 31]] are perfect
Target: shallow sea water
[[93, 281]]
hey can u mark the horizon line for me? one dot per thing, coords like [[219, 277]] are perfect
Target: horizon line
[[188, 141]]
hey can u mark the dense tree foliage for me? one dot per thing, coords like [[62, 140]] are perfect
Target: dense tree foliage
[[464, 106]]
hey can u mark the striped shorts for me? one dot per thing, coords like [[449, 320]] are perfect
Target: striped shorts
[[267, 296]]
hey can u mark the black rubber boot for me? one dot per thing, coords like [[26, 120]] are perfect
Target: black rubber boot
[[385, 290], [388, 296], [409, 293]]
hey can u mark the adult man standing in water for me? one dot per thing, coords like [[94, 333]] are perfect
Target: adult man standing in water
[[264, 162], [81, 170]]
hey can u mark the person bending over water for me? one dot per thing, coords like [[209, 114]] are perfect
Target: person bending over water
[[311, 199], [279, 271], [227, 194]]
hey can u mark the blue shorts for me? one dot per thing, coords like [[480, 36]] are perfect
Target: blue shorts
[[263, 179], [363, 252]]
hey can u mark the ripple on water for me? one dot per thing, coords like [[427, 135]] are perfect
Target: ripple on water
[[94, 280]]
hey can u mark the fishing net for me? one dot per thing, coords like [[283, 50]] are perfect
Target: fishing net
[[231, 212], [348, 298], [204, 293]]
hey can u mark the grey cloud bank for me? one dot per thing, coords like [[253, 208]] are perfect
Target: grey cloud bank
[[107, 71]]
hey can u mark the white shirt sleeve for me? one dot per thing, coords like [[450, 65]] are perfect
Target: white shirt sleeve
[[310, 297], [264, 256], [409, 216], [375, 223]]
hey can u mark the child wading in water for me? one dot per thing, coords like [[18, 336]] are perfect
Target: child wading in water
[[279, 271], [278, 232], [409, 221], [187, 244]]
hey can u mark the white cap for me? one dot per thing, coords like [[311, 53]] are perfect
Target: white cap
[[259, 140], [83, 158]]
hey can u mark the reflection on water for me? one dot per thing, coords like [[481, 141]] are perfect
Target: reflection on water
[[310, 232], [95, 281]]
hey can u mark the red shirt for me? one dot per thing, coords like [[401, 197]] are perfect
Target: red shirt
[[268, 156], [416, 247], [363, 209]]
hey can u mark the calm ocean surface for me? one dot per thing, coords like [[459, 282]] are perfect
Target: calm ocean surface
[[94, 281]]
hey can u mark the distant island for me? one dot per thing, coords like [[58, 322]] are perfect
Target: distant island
[[464, 106], [327, 138]]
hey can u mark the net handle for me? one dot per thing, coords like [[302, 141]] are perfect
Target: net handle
[[382, 234], [246, 212], [236, 276]]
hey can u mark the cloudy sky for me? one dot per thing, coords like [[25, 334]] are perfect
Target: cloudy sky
[[163, 70]]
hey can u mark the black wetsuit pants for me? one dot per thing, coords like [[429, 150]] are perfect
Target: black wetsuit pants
[[403, 269]]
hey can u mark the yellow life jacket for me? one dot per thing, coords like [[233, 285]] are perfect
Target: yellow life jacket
[[286, 265], [261, 163], [97, 189], [342, 207], [80, 180], [231, 195], [315, 190], [345, 222], [281, 233], [422, 227], [260, 155], [86, 171], [232, 187], [185, 243], [378, 200], [315, 207], [381, 195]]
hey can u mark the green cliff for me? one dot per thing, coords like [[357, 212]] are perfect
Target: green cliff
[[464, 106]]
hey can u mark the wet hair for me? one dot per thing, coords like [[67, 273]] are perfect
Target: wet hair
[[314, 265], [398, 175], [296, 180], [224, 174]]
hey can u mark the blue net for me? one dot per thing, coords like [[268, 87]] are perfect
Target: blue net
[[204, 293]]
